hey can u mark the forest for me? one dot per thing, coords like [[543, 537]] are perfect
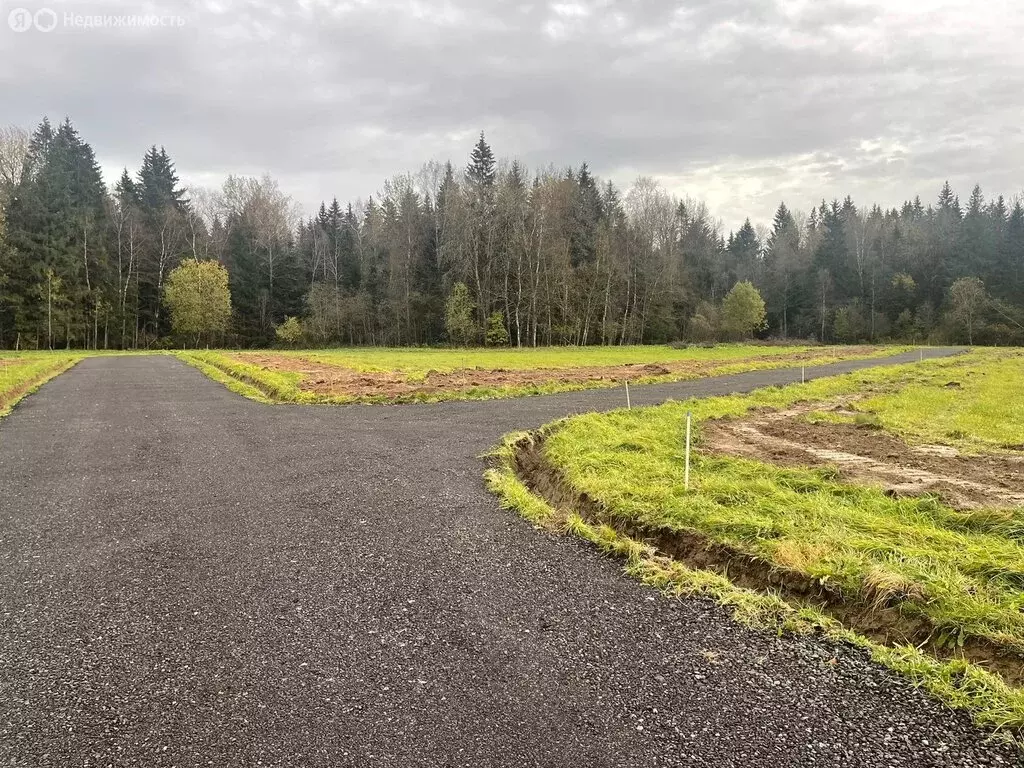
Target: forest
[[533, 257]]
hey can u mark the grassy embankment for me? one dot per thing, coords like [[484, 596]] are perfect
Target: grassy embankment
[[250, 374], [22, 373], [933, 592]]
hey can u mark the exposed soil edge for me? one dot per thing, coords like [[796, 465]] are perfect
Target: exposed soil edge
[[883, 624]]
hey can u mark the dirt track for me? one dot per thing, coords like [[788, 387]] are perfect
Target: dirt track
[[191, 578]]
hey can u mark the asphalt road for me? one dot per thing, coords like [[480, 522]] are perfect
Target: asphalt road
[[188, 578]]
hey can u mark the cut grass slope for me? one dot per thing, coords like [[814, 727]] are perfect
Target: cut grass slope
[[952, 581]]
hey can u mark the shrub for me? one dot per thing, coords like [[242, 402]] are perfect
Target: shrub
[[458, 316], [743, 312], [290, 332], [497, 334]]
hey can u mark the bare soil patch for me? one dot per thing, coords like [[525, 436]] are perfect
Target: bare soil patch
[[863, 453], [327, 379], [875, 616]]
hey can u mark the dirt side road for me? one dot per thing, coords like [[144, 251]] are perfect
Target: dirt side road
[[189, 578]]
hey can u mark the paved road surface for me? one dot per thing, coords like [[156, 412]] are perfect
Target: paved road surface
[[193, 579]]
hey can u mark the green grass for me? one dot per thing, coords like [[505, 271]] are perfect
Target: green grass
[[247, 380], [22, 373], [414, 365], [973, 408], [962, 573]]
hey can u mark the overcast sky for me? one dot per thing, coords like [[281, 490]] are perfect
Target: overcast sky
[[737, 103]]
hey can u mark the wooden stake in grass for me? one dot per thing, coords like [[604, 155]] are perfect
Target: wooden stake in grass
[[803, 374], [629, 405], [686, 474]]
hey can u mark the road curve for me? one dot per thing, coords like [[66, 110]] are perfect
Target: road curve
[[190, 578]]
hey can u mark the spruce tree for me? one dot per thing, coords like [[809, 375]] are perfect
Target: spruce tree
[[125, 191], [1015, 252], [57, 229], [782, 266], [745, 248], [162, 208], [482, 166], [586, 213], [158, 183]]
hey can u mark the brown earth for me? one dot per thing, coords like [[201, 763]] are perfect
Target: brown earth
[[335, 380], [865, 454]]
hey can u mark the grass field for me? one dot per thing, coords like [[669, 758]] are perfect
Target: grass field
[[980, 408], [426, 375], [21, 373], [883, 508], [419, 361]]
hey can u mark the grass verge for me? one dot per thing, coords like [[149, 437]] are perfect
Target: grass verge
[[239, 378], [935, 593], [23, 373]]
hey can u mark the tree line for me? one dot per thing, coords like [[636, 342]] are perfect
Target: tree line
[[486, 253]]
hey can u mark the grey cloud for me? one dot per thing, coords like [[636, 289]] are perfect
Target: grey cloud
[[333, 97]]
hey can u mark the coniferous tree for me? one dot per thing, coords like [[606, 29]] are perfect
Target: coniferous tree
[[56, 229], [556, 256], [783, 266], [481, 169], [745, 250], [480, 175], [161, 210]]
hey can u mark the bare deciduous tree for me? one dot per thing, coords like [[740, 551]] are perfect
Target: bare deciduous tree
[[14, 144]]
